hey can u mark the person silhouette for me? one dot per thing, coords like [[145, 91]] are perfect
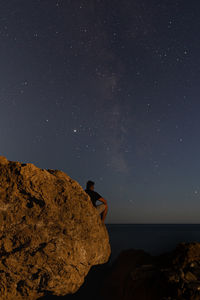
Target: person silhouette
[[94, 196]]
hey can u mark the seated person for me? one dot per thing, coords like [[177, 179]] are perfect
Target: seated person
[[94, 196]]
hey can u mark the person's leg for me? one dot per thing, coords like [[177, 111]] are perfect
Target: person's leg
[[104, 213], [101, 208]]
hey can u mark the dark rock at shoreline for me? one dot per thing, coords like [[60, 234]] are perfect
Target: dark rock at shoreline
[[171, 276], [50, 233]]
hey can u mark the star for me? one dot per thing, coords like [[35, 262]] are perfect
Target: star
[[86, 65]]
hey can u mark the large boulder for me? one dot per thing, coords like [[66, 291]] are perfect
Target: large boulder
[[50, 233]]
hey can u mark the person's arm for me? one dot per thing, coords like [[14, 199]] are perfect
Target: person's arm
[[103, 200]]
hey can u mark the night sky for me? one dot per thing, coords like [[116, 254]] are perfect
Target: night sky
[[107, 91]]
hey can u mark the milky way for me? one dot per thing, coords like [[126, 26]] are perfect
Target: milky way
[[107, 91]]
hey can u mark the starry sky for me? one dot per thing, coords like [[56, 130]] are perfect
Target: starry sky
[[107, 91]]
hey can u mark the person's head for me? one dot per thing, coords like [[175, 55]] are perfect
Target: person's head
[[90, 185]]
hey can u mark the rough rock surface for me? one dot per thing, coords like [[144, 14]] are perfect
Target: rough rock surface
[[50, 233], [171, 276]]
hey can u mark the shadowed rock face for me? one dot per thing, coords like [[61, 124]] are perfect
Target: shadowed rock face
[[171, 276], [50, 233]]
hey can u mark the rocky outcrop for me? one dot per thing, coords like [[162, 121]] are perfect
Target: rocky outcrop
[[184, 272], [170, 276], [133, 276], [50, 233]]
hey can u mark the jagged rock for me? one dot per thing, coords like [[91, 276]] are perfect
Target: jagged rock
[[143, 272], [138, 275], [50, 233], [186, 253], [133, 276], [190, 276]]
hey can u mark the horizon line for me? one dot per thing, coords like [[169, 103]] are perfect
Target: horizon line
[[152, 223]]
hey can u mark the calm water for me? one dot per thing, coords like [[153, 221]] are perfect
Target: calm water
[[152, 238]]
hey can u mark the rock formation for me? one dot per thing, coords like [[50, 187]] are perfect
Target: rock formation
[[170, 276], [50, 233]]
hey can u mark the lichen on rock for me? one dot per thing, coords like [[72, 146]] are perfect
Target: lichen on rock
[[50, 233]]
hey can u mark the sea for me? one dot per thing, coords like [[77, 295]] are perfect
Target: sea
[[152, 238]]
